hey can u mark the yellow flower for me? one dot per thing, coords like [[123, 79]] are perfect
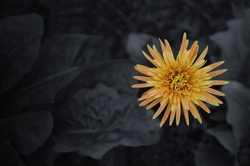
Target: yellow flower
[[178, 84]]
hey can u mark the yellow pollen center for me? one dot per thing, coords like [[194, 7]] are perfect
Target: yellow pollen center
[[179, 82]]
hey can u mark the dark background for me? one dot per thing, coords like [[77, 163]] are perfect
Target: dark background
[[66, 71]]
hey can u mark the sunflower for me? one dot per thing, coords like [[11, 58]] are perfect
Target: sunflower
[[179, 84]]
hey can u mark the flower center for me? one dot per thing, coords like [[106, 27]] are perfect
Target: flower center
[[179, 82]]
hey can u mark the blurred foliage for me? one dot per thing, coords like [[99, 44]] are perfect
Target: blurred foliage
[[92, 121], [19, 47], [9, 155]]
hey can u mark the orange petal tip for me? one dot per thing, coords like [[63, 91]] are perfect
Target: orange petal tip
[[133, 86]]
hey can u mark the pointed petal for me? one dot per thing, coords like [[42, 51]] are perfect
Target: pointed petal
[[148, 91], [142, 69], [172, 116], [217, 72], [211, 102], [195, 112], [168, 47], [143, 78], [169, 58], [154, 52], [204, 83], [186, 116], [220, 82], [183, 43], [178, 113], [163, 47], [184, 103], [204, 107], [200, 96], [193, 51], [215, 92], [149, 59], [155, 102], [217, 64], [166, 114], [199, 64], [211, 97], [192, 110], [143, 97], [144, 85], [148, 100], [154, 92], [160, 109], [203, 54]]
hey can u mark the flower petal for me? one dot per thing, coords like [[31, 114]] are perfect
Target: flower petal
[[211, 97], [217, 64], [148, 100], [143, 78], [168, 47], [154, 52], [184, 103], [217, 72], [172, 116], [155, 102], [144, 85], [203, 106], [195, 112], [160, 109], [193, 52], [203, 54], [142, 69], [185, 111], [149, 59], [220, 82], [215, 92], [166, 114], [178, 113]]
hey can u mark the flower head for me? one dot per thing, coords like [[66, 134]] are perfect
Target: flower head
[[179, 84]]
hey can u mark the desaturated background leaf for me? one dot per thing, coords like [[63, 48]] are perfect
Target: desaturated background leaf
[[20, 38], [61, 58], [137, 42], [225, 136], [8, 155], [16, 7], [246, 37], [212, 155], [60, 52], [238, 115], [27, 132], [113, 73], [101, 111], [235, 50]]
